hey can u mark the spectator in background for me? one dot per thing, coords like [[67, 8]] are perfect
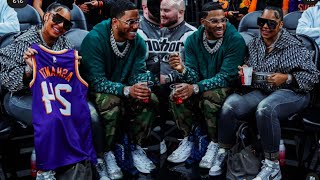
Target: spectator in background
[[299, 5], [309, 23], [41, 5], [8, 19], [255, 5], [95, 11], [235, 11]]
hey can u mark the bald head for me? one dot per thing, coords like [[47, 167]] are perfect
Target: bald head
[[177, 4]]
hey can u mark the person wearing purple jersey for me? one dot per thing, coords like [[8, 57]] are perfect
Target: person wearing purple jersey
[[16, 72]]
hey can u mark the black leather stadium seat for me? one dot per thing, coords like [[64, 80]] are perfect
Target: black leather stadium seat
[[27, 16], [76, 37], [78, 19], [249, 23], [290, 21]]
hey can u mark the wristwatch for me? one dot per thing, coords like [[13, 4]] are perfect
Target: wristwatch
[[126, 91], [289, 80], [195, 88], [27, 69]]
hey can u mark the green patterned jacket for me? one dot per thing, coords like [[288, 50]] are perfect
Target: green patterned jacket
[[104, 71], [217, 70]]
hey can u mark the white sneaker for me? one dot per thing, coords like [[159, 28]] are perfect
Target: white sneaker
[[163, 147], [141, 161], [113, 169], [102, 170], [218, 163], [182, 152], [208, 158], [269, 170], [46, 175]]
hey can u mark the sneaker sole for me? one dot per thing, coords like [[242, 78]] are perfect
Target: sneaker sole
[[215, 173]]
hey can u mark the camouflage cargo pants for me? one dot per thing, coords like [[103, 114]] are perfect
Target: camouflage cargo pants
[[204, 106], [133, 116]]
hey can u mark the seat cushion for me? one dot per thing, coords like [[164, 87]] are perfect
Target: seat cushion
[[311, 118]]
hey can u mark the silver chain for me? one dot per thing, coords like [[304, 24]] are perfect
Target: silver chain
[[115, 47], [207, 47]]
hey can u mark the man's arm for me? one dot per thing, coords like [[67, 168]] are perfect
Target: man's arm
[[93, 62], [37, 4], [11, 22], [305, 25]]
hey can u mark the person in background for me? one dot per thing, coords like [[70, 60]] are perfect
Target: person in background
[[42, 5], [255, 5], [292, 75], [299, 5], [8, 19], [114, 64], [309, 23], [95, 11], [212, 55]]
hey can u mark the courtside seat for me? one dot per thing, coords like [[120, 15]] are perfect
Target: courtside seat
[[77, 18], [76, 37], [27, 17], [7, 39], [290, 21], [249, 23]]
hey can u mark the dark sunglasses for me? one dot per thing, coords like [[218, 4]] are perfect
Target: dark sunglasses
[[57, 19], [272, 24]]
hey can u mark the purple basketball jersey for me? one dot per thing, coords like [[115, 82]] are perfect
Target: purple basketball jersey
[[60, 112]]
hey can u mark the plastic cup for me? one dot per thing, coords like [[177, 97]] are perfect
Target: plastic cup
[[148, 84], [247, 76], [177, 100]]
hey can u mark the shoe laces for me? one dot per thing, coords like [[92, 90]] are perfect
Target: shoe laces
[[142, 155], [220, 158], [211, 152], [111, 160], [266, 169], [101, 169], [182, 146], [48, 175]]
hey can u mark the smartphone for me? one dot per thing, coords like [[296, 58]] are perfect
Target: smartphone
[[235, 13]]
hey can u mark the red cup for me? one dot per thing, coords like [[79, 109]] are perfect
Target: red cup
[[177, 100]]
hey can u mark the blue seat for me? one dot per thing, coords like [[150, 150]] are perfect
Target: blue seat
[[290, 21], [77, 18], [249, 23], [27, 17]]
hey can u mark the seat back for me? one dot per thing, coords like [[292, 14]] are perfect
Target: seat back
[[76, 37], [7, 39], [290, 21], [249, 23], [247, 36], [312, 45], [27, 17], [77, 18]]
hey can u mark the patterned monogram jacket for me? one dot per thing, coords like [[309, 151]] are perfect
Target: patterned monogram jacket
[[288, 56]]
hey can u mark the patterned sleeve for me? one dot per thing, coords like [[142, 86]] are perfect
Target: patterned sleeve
[[307, 75], [12, 65]]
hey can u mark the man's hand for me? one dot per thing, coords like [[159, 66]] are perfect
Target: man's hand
[[140, 91], [27, 56], [183, 91], [276, 79], [240, 72], [176, 62], [84, 8]]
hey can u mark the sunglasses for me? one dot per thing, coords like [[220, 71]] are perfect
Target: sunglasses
[[57, 19], [131, 22], [216, 21], [272, 24]]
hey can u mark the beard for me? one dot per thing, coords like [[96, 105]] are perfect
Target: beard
[[171, 22]]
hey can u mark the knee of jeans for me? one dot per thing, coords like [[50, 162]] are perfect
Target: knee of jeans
[[263, 109], [93, 114]]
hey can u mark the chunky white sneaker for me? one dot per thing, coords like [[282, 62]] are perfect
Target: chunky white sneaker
[[46, 175], [208, 158], [141, 161], [102, 170], [182, 152], [270, 170], [114, 172], [218, 163]]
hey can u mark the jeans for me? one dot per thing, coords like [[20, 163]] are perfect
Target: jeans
[[20, 107], [268, 109]]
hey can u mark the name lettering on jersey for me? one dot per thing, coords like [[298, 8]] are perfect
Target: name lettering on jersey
[[59, 72], [163, 45]]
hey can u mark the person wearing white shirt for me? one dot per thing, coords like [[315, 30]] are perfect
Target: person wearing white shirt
[[8, 19]]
